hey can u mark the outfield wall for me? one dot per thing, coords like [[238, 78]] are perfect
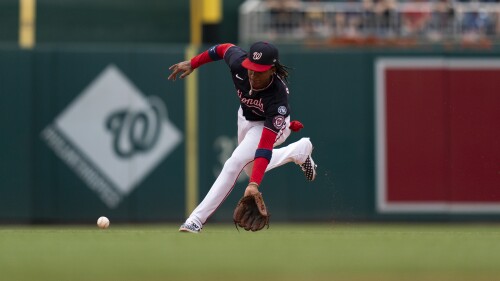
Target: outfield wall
[[398, 135]]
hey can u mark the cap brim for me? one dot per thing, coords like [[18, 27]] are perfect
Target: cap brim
[[254, 66]]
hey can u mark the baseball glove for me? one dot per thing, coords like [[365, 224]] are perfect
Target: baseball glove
[[251, 213]]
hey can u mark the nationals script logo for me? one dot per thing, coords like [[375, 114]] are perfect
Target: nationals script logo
[[112, 136], [254, 103]]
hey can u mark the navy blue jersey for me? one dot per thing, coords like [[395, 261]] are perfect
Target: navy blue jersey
[[269, 104]]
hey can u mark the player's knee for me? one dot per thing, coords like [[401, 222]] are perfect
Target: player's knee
[[305, 142]]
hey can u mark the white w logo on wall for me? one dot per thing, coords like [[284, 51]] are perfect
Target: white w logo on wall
[[108, 129]]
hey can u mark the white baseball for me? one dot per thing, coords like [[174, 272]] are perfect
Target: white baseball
[[103, 222]]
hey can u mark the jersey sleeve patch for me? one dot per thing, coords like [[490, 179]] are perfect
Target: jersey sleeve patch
[[282, 110], [278, 122]]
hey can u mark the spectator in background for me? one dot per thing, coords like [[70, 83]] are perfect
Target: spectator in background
[[285, 16], [347, 22], [416, 20], [380, 17], [368, 16], [476, 24], [497, 23], [442, 20], [315, 21]]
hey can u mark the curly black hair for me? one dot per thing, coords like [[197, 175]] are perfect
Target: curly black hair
[[282, 71]]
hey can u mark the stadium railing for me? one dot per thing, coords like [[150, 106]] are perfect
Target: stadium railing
[[408, 23]]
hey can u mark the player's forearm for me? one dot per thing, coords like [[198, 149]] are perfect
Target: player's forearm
[[259, 168], [263, 155], [215, 53]]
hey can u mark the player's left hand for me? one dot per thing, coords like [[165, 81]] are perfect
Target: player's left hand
[[251, 212], [181, 67]]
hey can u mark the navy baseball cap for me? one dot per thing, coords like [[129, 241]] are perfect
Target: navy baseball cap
[[261, 57]]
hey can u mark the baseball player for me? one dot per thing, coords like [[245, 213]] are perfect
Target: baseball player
[[263, 122]]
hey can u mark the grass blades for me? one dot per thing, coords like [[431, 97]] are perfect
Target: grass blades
[[292, 252]]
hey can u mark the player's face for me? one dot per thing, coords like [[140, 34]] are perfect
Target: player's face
[[259, 80]]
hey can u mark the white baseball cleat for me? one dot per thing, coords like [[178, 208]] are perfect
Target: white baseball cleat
[[190, 227], [309, 168]]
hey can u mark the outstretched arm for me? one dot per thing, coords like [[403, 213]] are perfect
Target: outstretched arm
[[263, 155], [185, 68]]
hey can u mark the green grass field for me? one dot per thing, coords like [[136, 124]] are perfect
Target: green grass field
[[352, 252]]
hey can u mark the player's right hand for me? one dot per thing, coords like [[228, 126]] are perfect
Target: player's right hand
[[182, 67]]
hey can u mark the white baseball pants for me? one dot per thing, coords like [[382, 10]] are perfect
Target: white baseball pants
[[249, 133]]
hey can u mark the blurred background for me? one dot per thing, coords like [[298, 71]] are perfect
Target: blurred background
[[401, 100]]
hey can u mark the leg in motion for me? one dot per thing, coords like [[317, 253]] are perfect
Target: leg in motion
[[223, 185], [299, 152]]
